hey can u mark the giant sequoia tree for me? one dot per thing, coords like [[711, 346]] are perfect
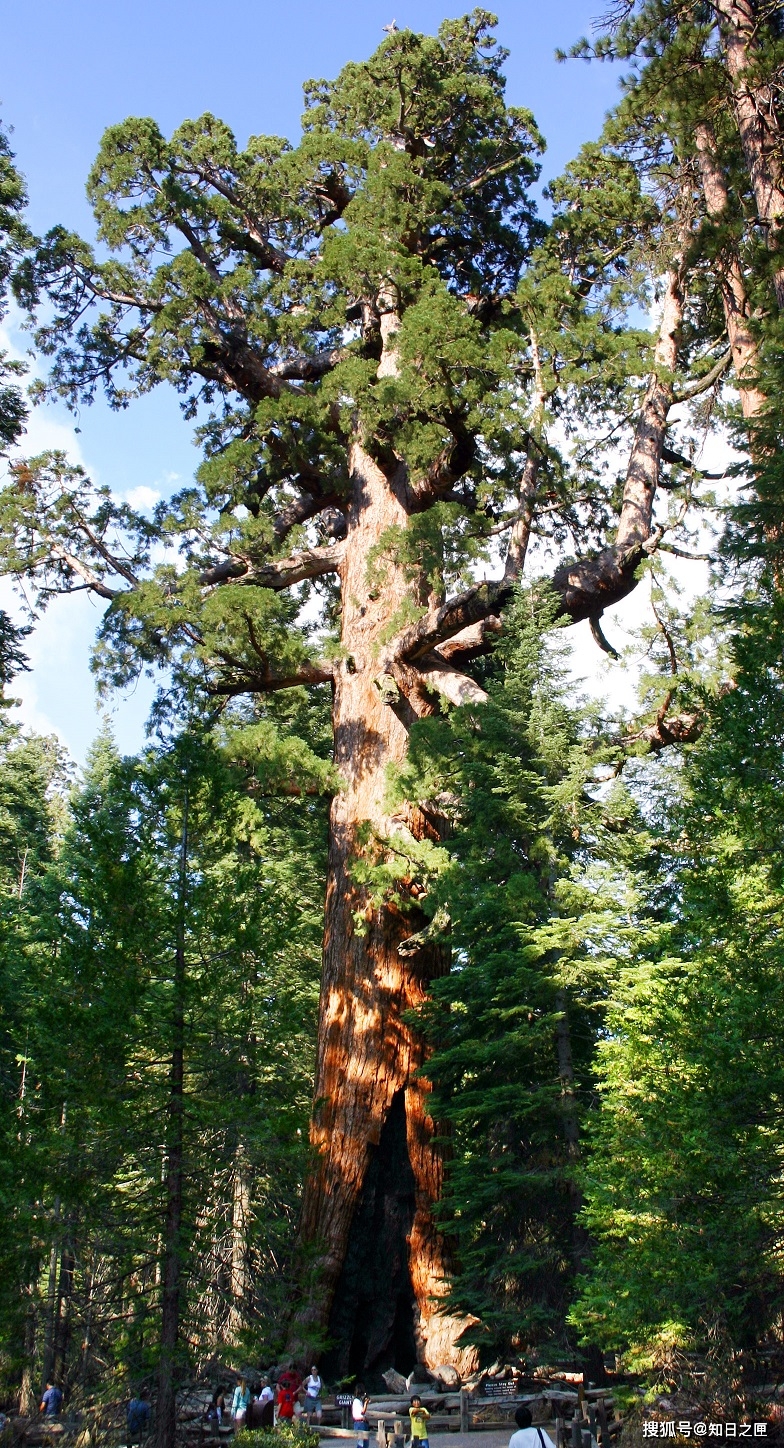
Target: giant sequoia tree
[[374, 331]]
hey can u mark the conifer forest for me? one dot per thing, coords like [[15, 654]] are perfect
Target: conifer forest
[[399, 1003]]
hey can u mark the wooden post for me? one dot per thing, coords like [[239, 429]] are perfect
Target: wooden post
[[577, 1436], [381, 1434], [602, 1414], [400, 1432], [560, 1436], [464, 1417], [592, 1419]]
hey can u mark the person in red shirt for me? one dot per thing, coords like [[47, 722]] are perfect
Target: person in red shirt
[[288, 1387]]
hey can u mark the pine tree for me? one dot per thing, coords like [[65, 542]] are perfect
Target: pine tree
[[32, 774], [171, 955], [13, 239], [683, 1186]]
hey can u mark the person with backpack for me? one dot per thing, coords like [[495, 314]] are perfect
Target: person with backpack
[[526, 1436]]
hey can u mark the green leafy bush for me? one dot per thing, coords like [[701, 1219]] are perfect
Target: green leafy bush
[[286, 1435]]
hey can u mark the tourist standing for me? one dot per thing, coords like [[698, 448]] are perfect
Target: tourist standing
[[313, 1391], [138, 1418], [52, 1401], [239, 1405], [267, 1401], [419, 1417], [526, 1436], [288, 1387], [358, 1411]]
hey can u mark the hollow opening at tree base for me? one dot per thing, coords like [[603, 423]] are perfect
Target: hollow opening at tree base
[[372, 1324]]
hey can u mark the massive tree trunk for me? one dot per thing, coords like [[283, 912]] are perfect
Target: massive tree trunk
[[378, 1260]]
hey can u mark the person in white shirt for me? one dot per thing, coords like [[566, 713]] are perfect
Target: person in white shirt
[[267, 1400], [313, 1388], [358, 1411], [526, 1436]]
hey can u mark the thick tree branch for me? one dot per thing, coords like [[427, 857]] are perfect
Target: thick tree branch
[[266, 681], [437, 674], [279, 573], [472, 642], [600, 637], [233, 363], [682, 728], [77, 566], [308, 366], [449, 467], [704, 384], [588, 586], [758, 119], [470, 608], [300, 510]]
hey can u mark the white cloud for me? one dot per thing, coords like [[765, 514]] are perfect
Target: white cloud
[[142, 498], [44, 432]]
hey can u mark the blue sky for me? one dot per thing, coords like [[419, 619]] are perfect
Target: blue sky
[[72, 67]]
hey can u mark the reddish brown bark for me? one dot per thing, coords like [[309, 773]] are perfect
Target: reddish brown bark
[[737, 311], [755, 111], [368, 1053]]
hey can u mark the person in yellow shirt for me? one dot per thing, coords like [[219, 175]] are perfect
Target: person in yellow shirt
[[419, 1417]]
